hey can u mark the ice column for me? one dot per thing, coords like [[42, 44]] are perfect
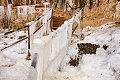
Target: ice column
[[118, 10], [70, 28], [9, 8], [46, 4], [77, 18], [32, 29], [46, 22], [1, 11], [48, 25], [54, 46], [22, 11], [31, 11]]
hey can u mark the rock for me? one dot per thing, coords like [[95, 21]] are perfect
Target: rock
[[74, 62], [105, 47], [87, 48]]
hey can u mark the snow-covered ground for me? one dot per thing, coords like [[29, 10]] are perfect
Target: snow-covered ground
[[13, 65], [104, 65]]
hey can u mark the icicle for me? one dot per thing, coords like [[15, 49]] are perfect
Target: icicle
[[46, 4], [61, 41], [48, 25], [25, 8], [31, 11], [18, 10], [44, 21], [78, 20], [39, 33], [118, 9], [32, 29], [9, 8], [70, 28], [22, 11], [57, 43], [1, 11], [54, 47]]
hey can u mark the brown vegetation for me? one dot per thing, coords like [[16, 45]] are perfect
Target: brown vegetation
[[104, 13]]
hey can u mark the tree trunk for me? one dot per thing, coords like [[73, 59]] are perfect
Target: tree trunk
[[76, 3], [5, 2], [63, 3], [32, 2], [27, 2], [9, 1], [81, 2], [38, 1], [1, 3], [98, 1], [91, 3]]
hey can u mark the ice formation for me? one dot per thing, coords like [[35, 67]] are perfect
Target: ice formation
[[22, 11], [1, 11], [9, 8], [118, 9], [46, 4], [51, 46], [31, 9]]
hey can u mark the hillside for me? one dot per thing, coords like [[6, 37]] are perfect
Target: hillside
[[106, 11]]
